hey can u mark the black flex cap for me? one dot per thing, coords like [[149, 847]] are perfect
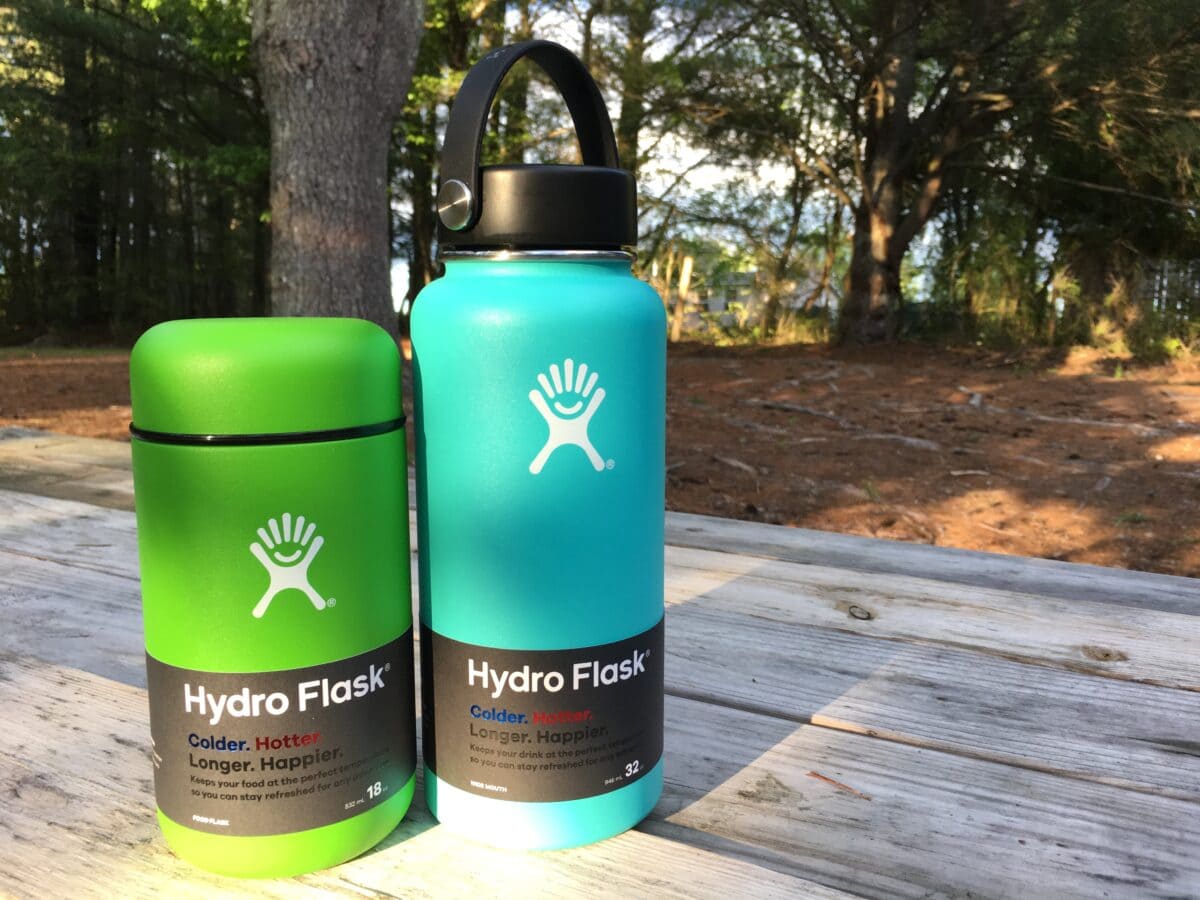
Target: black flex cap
[[587, 207]]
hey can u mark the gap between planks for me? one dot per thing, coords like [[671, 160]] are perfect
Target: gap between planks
[[96, 471], [1083, 636], [74, 764], [739, 644], [1189, 795], [873, 818]]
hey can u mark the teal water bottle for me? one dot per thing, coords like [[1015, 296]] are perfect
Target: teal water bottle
[[540, 368]]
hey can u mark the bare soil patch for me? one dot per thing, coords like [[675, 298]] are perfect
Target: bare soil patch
[[1072, 457]]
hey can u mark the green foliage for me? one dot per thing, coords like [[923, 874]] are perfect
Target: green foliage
[[134, 158], [133, 166], [730, 328], [1131, 517], [800, 327]]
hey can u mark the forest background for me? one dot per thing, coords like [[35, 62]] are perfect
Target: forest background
[[852, 170], [954, 244]]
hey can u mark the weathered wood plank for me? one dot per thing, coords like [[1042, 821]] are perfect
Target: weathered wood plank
[[874, 818], [1051, 578], [1120, 733], [726, 646], [68, 467], [72, 616], [78, 820], [49, 446], [891, 820], [1115, 641], [69, 532], [1104, 639], [81, 469], [1115, 732]]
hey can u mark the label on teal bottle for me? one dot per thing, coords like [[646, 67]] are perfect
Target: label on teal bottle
[[276, 752], [542, 725]]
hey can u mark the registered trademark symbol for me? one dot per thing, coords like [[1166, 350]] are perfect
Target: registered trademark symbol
[[610, 464], [331, 602], [387, 667]]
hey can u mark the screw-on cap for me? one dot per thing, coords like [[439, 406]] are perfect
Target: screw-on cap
[[593, 206], [263, 376]]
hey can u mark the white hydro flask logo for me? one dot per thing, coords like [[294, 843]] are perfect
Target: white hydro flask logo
[[569, 418], [292, 549]]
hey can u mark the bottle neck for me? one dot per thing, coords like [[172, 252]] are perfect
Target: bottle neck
[[549, 263], [541, 255]]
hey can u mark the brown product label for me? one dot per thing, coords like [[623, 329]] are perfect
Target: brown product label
[[542, 725], [276, 752]]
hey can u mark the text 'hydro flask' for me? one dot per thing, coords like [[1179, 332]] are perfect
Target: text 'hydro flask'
[[540, 367], [271, 494]]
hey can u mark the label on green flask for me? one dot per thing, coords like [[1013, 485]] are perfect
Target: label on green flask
[[276, 752], [542, 725]]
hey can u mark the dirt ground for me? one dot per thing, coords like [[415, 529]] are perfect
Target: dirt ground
[[1072, 457]]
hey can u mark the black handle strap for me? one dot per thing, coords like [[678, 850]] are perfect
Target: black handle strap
[[458, 196]]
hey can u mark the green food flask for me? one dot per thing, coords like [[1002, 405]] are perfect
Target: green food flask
[[272, 514]]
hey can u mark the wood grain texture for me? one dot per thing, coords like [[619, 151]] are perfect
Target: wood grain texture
[[1104, 639], [753, 805], [796, 655], [79, 821], [1046, 577], [96, 471], [1129, 735], [1126, 642], [72, 616], [905, 733], [889, 820], [71, 468]]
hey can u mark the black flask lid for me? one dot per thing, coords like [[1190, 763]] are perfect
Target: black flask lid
[[542, 207]]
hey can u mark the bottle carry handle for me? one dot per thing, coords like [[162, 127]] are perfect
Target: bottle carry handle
[[458, 198]]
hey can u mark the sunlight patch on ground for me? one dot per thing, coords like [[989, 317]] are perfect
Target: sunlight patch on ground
[[1182, 449]]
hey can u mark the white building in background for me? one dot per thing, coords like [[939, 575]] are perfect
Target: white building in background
[[739, 298]]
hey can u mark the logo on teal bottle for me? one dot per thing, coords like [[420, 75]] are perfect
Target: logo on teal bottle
[[292, 548], [569, 419]]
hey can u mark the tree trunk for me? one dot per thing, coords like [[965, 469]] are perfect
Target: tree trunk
[[798, 193], [639, 20], [833, 237], [681, 296], [186, 284], [516, 96], [260, 303], [334, 75], [1101, 273], [668, 274], [589, 18], [78, 90], [424, 223], [139, 291], [870, 310], [897, 198]]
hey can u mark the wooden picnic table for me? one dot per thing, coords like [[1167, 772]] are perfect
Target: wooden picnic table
[[845, 716]]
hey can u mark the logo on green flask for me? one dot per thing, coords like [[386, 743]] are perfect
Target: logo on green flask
[[289, 552]]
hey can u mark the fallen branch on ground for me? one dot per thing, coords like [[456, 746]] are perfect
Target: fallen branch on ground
[[802, 410], [918, 443], [976, 402], [736, 464]]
